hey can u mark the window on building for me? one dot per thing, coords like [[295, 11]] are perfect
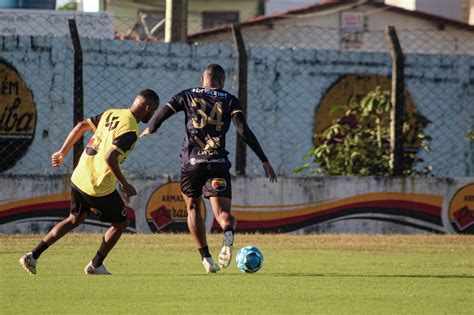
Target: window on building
[[215, 18]]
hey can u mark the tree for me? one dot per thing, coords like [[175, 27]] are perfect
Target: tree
[[358, 140]]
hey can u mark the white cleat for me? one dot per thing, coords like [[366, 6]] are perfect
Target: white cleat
[[28, 262], [91, 270], [225, 255], [210, 265]]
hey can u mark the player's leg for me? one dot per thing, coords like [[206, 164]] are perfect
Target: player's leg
[[191, 189], [110, 208], [78, 213], [195, 221], [197, 229], [219, 191], [221, 208]]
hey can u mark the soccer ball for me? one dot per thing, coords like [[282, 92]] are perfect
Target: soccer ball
[[249, 259]]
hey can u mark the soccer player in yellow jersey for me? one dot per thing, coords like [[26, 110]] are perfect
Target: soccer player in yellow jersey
[[95, 177]]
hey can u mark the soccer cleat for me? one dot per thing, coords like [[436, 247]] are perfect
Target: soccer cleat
[[225, 255], [210, 265], [28, 262], [91, 270]]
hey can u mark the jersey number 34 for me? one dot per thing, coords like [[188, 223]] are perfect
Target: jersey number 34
[[202, 118]]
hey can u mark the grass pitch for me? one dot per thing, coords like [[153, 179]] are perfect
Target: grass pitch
[[315, 274]]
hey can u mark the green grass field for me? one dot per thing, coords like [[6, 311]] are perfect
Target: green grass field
[[317, 274]]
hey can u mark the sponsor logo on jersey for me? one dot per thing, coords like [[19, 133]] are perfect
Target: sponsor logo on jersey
[[219, 184], [210, 92], [208, 152], [194, 161]]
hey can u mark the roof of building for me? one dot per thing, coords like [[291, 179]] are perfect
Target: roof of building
[[325, 5]]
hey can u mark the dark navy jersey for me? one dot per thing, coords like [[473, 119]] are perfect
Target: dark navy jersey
[[208, 113]]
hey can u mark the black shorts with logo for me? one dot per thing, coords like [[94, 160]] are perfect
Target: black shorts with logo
[[211, 183], [109, 208]]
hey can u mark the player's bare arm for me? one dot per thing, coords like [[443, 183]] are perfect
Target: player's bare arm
[[249, 137], [76, 133], [111, 158]]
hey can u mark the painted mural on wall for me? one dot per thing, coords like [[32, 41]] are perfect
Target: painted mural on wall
[[420, 211], [17, 116], [49, 208], [166, 209], [163, 210], [353, 85], [461, 210]]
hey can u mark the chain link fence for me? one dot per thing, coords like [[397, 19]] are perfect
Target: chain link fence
[[296, 73]]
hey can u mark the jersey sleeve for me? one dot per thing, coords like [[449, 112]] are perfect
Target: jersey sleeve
[[94, 121], [249, 137], [125, 141], [176, 103], [235, 106]]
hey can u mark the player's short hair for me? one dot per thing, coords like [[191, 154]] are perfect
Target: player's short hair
[[214, 72], [149, 96]]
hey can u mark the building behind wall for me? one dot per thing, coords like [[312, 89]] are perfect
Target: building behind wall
[[459, 10]]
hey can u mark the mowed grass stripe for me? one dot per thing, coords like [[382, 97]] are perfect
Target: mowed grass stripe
[[312, 274]]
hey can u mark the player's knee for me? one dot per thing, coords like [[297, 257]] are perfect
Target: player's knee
[[76, 219], [193, 207], [226, 216]]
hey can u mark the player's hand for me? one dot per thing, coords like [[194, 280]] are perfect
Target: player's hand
[[57, 158], [269, 172], [145, 133], [129, 190]]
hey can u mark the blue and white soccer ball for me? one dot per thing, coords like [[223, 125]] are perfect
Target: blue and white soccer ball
[[249, 259]]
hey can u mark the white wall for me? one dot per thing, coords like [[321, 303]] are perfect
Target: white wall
[[295, 205], [286, 88]]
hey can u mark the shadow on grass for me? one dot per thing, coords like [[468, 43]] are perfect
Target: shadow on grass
[[296, 274]]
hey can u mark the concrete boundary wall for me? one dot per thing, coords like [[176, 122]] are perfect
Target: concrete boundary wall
[[293, 205], [287, 86]]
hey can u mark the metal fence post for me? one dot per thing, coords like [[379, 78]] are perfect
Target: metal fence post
[[241, 147], [398, 101], [78, 108]]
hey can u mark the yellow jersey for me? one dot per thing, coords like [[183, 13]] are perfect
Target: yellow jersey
[[113, 129]]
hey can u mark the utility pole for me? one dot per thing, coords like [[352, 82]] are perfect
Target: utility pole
[[398, 101], [176, 20]]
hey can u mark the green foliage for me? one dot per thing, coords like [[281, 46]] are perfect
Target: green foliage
[[470, 136], [359, 142], [70, 6]]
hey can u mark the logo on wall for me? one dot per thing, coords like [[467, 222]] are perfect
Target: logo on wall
[[461, 210], [17, 116], [166, 209]]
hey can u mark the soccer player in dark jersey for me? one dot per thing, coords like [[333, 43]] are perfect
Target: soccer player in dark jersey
[[95, 177], [204, 163]]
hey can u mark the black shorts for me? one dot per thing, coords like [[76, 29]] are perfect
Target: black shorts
[[211, 183], [109, 208]]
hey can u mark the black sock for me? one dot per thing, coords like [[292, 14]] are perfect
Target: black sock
[[42, 246], [229, 228], [204, 252], [98, 260]]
